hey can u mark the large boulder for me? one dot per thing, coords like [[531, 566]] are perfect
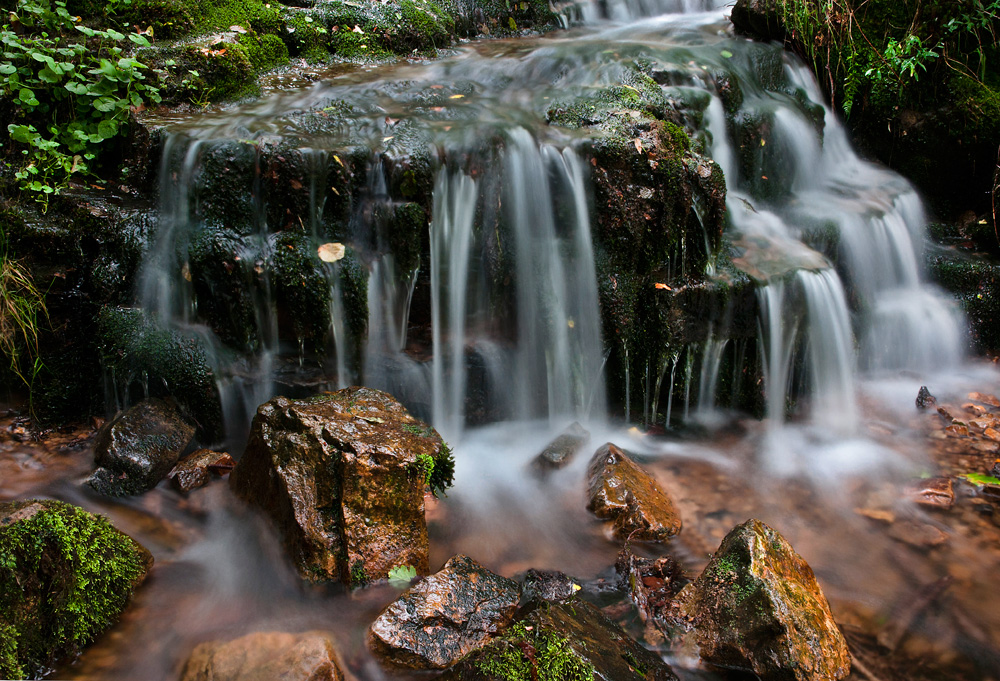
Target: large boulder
[[621, 491], [757, 606], [343, 477], [136, 449], [444, 617], [564, 640], [263, 656], [65, 576]]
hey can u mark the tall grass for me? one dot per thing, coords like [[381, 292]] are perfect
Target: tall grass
[[22, 310]]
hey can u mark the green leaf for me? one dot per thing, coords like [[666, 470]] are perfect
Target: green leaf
[[107, 128], [979, 479], [76, 88], [7, 69], [49, 76], [139, 40], [22, 133], [726, 54], [105, 103], [115, 35], [401, 576]]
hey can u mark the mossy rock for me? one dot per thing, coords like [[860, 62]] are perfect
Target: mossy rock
[[266, 51], [302, 285], [976, 284], [167, 18], [65, 577], [139, 357], [564, 641]]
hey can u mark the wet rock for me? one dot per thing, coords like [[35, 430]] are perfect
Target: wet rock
[[985, 399], [196, 469], [138, 448], [924, 398], [623, 492], [918, 535], [950, 412], [561, 451], [974, 409], [933, 492], [549, 585], [568, 640], [445, 616], [309, 656], [343, 477], [995, 470], [957, 430], [992, 434], [652, 584], [757, 606], [759, 19], [65, 577]]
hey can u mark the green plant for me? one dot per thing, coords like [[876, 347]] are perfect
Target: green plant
[[534, 654], [901, 58], [401, 576], [74, 87], [22, 309]]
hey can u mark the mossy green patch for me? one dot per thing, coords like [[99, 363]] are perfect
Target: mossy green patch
[[65, 577], [266, 51], [534, 654]]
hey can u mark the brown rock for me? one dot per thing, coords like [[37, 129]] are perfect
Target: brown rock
[[342, 475], [264, 656], [917, 534], [974, 409], [993, 434], [195, 470], [444, 617], [950, 412], [561, 451], [757, 606], [984, 422], [924, 398], [652, 584], [985, 399], [935, 492], [988, 447], [957, 430], [621, 491]]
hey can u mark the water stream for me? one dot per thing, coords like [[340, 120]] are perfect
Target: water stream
[[502, 326]]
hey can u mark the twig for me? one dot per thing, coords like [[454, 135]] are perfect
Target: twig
[[863, 669]]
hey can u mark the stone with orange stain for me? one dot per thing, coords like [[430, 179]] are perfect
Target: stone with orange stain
[[757, 606], [444, 617], [623, 492]]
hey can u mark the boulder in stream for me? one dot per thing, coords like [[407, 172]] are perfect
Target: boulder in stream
[[564, 640], [263, 656], [196, 469], [445, 616], [65, 577], [757, 606], [621, 491], [561, 450], [343, 476], [136, 449]]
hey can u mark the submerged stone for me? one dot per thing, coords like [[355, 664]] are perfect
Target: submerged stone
[[757, 606], [621, 491], [262, 656], [343, 475], [138, 448], [570, 641], [65, 577], [196, 469], [561, 450], [445, 616]]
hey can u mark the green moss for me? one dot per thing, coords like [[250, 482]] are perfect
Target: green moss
[[265, 51], [65, 577], [301, 287], [534, 655], [140, 358], [358, 575]]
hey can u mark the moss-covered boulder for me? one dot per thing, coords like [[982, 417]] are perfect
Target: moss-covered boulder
[[136, 449], [445, 616], [757, 606], [263, 656], [621, 491], [565, 641], [139, 358], [976, 284], [343, 475], [65, 577]]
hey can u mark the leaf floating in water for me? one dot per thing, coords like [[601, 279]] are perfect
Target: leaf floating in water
[[401, 576], [456, 97], [638, 144], [726, 54], [386, 139], [331, 252]]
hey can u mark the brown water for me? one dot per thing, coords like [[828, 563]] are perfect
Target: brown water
[[220, 573]]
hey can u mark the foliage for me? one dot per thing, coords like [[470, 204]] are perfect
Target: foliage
[[534, 654], [73, 87], [22, 309], [65, 577], [401, 576]]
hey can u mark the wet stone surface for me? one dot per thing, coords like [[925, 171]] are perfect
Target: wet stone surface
[[309, 656], [445, 616], [621, 491]]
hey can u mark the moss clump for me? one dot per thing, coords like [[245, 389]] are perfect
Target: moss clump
[[265, 51], [138, 358], [534, 655], [976, 283], [301, 287], [65, 577]]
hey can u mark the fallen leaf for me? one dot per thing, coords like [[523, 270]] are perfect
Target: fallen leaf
[[296, 185], [638, 144], [331, 252], [337, 159], [661, 286], [456, 97], [238, 29], [357, 29]]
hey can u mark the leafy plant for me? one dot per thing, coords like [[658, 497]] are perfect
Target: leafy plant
[[401, 576], [74, 87], [900, 58]]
